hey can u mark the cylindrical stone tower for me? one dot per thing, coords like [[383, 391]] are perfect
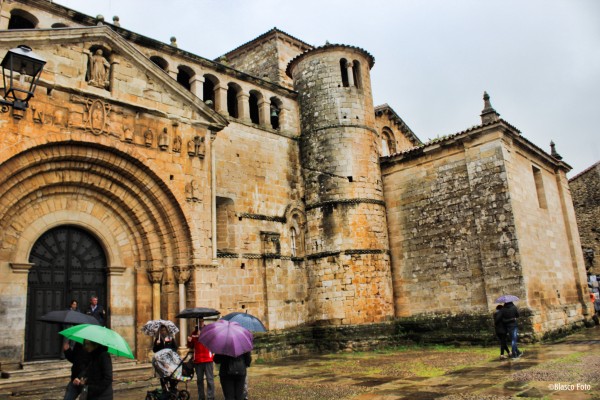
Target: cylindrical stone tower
[[347, 244]]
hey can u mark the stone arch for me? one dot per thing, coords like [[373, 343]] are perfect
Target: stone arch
[[125, 187], [161, 62], [184, 76], [111, 193], [21, 19]]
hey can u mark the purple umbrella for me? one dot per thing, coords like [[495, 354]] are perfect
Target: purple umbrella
[[507, 298], [226, 337]]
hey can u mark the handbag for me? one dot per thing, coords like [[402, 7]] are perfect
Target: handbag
[[84, 393]]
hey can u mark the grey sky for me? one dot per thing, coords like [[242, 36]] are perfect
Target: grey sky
[[538, 59]]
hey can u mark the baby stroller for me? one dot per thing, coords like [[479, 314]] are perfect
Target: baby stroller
[[171, 370]]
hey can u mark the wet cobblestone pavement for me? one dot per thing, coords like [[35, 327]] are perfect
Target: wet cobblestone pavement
[[568, 369]]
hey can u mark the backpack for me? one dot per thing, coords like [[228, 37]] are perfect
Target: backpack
[[237, 366]]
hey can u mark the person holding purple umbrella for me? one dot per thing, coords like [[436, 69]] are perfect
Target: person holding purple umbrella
[[232, 372], [510, 313]]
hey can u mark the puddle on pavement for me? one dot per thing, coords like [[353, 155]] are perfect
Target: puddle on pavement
[[372, 382]]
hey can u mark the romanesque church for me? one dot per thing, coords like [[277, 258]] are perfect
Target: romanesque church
[[264, 181]]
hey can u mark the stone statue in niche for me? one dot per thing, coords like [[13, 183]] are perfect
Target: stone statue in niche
[[192, 191], [199, 146], [98, 70], [177, 144], [163, 140], [148, 137]]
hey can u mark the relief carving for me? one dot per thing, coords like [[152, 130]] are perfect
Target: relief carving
[[192, 191], [98, 70], [196, 147]]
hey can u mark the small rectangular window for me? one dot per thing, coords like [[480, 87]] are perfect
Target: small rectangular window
[[539, 187]]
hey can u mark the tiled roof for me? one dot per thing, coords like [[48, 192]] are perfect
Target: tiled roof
[[268, 34], [329, 46], [585, 171], [410, 135]]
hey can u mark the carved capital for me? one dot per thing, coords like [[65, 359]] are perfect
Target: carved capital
[[182, 273], [155, 274]]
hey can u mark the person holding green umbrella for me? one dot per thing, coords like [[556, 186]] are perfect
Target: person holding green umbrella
[[96, 378], [98, 341]]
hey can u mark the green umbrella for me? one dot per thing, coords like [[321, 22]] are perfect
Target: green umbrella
[[107, 337]]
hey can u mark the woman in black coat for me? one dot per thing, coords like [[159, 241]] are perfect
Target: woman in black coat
[[97, 375], [501, 332], [233, 377]]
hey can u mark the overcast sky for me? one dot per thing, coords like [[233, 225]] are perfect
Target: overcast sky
[[538, 59]]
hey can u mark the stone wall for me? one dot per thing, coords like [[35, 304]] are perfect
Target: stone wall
[[551, 256], [451, 228], [585, 190]]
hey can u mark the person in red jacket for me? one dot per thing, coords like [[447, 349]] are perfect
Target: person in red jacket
[[203, 364]]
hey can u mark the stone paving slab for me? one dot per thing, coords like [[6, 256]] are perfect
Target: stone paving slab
[[467, 373]]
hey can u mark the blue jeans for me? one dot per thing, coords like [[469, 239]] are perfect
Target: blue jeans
[[514, 334], [72, 391]]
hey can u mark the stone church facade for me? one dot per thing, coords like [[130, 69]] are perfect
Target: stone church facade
[[264, 181]]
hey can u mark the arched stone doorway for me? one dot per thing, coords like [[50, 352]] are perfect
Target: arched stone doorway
[[68, 263]]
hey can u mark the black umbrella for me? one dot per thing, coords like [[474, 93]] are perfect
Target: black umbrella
[[68, 317], [197, 312]]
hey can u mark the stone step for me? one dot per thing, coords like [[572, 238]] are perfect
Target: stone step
[[48, 379]]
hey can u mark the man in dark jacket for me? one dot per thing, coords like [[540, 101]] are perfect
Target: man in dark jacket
[[510, 313], [79, 358], [501, 332], [96, 310]]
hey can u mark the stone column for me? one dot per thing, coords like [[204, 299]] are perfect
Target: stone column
[[243, 101], [264, 113], [221, 98], [350, 74], [155, 275], [182, 275], [173, 73], [197, 86], [213, 194]]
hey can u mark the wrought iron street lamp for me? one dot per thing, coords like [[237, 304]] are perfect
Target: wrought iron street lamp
[[17, 91]]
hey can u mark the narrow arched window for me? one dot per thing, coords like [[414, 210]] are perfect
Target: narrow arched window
[[232, 101], [344, 71], [388, 143], [184, 75], [293, 242], [253, 107], [356, 74], [161, 62], [208, 90], [20, 19], [275, 112]]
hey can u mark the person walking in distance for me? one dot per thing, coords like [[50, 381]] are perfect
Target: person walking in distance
[[96, 310], [510, 313], [501, 332]]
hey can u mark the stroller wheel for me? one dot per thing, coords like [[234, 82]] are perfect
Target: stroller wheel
[[183, 395]]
